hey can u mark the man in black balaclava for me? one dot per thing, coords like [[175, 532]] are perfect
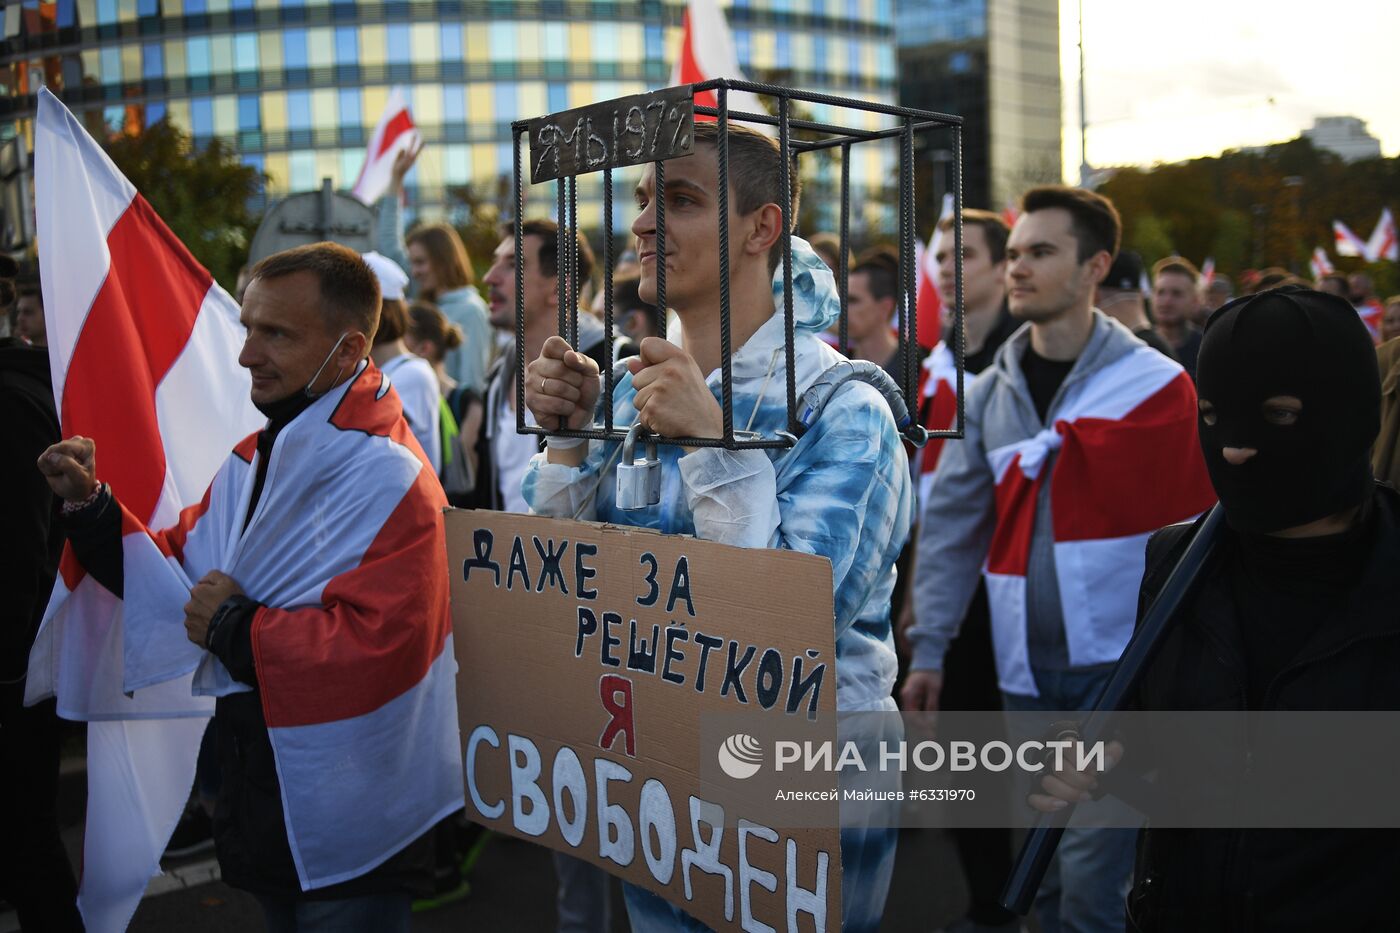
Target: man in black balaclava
[[1297, 609]]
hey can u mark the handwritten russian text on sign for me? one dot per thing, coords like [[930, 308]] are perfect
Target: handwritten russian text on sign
[[613, 134], [587, 656]]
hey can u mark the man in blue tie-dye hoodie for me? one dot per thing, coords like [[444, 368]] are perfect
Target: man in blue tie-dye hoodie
[[842, 492]]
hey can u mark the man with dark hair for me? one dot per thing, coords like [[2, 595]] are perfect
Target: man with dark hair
[[29, 314], [1076, 418], [1176, 301], [1120, 296], [841, 492], [872, 294], [502, 453], [321, 606]]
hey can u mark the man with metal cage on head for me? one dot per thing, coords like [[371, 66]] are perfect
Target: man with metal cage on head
[[841, 491]]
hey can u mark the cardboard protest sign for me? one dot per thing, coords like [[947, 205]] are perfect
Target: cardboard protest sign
[[588, 655]]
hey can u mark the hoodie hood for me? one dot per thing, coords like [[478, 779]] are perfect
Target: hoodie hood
[[816, 303]]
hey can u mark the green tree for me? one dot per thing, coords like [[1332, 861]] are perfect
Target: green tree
[[202, 194], [1147, 233], [1258, 207]]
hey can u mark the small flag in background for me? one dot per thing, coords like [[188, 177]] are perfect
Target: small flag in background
[[1383, 243], [1207, 272], [1320, 264], [143, 345], [1347, 243], [395, 133]]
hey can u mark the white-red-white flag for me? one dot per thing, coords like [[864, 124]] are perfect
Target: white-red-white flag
[[395, 133], [1383, 243], [707, 52], [1320, 264], [143, 346], [1345, 242]]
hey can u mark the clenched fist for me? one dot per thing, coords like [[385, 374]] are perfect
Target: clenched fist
[[71, 468]]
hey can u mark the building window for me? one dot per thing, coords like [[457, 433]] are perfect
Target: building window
[[454, 104], [502, 42], [347, 45], [294, 48], [111, 65], [152, 61], [508, 101], [245, 52], [298, 110], [202, 117], [398, 41], [351, 109], [320, 48], [197, 57], [450, 43], [302, 168], [249, 117], [143, 8], [558, 97], [106, 12], [155, 112]]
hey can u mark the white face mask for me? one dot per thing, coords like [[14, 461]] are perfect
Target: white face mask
[[307, 390]]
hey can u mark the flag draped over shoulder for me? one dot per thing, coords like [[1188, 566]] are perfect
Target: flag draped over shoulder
[[395, 133], [353, 645], [143, 347], [1128, 463]]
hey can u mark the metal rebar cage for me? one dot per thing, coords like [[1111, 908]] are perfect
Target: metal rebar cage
[[587, 148]]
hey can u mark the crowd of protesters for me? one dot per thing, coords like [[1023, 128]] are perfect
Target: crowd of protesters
[[1259, 401]]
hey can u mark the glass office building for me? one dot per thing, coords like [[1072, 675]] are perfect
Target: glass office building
[[996, 63], [296, 86]]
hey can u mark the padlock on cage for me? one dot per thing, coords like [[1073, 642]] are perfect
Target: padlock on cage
[[638, 481]]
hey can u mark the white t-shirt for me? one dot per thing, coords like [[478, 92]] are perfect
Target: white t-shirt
[[417, 385], [512, 452]]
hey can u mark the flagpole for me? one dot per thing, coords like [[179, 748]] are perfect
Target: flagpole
[[1084, 170]]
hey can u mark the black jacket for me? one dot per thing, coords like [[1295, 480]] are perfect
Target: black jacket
[[28, 550], [1274, 879]]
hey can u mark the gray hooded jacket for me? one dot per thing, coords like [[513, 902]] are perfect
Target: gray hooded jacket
[[959, 517]]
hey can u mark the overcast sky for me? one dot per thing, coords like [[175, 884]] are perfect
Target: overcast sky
[[1169, 81]]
